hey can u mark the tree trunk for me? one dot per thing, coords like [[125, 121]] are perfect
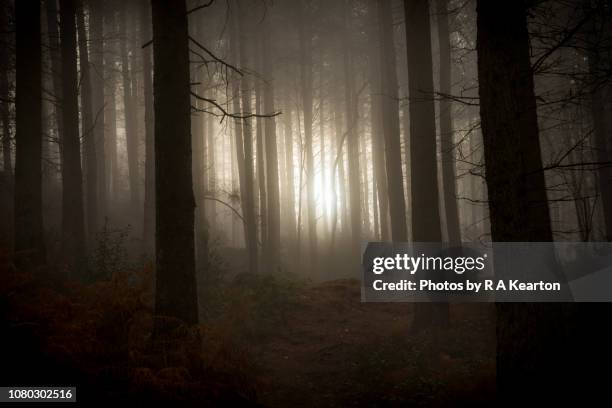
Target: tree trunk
[[261, 157], [7, 200], [289, 196], [176, 296], [129, 106], [56, 67], [352, 136], [148, 231], [365, 185], [96, 21], [271, 155], [110, 102], [377, 133], [340, 188], [517, 199], [238, 138], [529, 337], [73, 217], [212, 174], [247, 138], [198, 147], [423, 157], [235, 193], [323, 230], [446, 127], [29, 237], [600, 131], [305, 39], [87, 128], [391, 126]]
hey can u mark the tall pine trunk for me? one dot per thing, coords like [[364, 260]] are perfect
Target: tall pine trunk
[[110, 104], [129, 107], [391, 126], [87, 128], [324, 227], [96, 39], [381, 195], [238, 139], [305, 40], [447, 143], [352, 135], [29, 238], [248, 198], [198, 147], [423, 156], [56, 67], [73, 214], [148, 231], [600, 127], [261, 156], [211, 172], [271, 149], [176, 295], [289, 191], [7, 200], [529, 336]]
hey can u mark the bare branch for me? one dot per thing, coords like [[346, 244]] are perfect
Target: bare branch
[[225, 113], [214, 57], [209, 3]]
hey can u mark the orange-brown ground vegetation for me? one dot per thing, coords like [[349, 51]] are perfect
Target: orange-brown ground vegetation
[[264, 341]]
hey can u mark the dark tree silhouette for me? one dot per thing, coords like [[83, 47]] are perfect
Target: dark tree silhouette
[[272, 177], [352, 139], [423, 155], [175, 295], [4, 94], [391, 127], [73, 221], [517, 194], [110, 104], [305, 43], [56, 65], [29, 239], [447, 145], [149, 187], [129, 105], [96, 58], [87, 128], [289, 190], [597, 41], [248, 204]]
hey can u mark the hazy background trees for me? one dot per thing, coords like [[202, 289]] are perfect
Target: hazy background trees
[[281, 135]]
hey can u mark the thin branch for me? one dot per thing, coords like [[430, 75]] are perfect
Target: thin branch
[[232, 115], [213, 56], [566, 38], [235, 211], [210, 2]]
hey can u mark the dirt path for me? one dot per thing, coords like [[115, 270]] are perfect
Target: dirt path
[[334, 350]]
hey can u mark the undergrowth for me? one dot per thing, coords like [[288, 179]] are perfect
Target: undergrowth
[[246, 306], [103, 332]]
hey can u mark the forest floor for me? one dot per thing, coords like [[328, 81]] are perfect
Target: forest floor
[[333, 350], [265, 341]]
